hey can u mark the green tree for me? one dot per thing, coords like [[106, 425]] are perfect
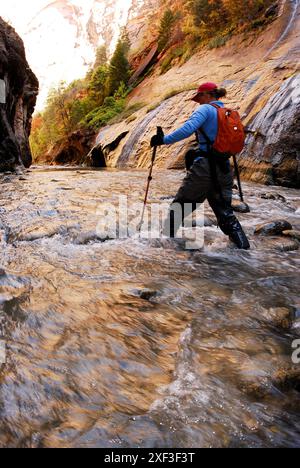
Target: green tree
[[119, 69], [79, 109], [166, 29], [98, 84], [58, 104], [101, 57]]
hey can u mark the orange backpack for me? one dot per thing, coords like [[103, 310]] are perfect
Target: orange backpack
[[231, 133]]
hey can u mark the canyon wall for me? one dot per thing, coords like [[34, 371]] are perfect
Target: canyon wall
[[18, 93]]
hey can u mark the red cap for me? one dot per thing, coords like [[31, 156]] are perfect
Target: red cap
[[205, 88]]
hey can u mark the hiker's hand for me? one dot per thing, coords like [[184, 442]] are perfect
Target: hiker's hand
[[157, 140]]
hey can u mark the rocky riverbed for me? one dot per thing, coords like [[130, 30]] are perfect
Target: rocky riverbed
[[142, 343]]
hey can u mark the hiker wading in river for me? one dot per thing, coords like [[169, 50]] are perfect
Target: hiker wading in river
[[210, 175]]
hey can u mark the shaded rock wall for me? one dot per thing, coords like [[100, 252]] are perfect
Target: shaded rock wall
[[18, 93], [72, 150]]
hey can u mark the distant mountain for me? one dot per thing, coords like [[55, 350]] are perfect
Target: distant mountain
[[62, 36]]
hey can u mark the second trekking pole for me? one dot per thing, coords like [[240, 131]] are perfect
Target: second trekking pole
[[159, 132], [237, 173]]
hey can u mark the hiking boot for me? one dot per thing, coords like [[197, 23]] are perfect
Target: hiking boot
[[231, 227], [239, 238]]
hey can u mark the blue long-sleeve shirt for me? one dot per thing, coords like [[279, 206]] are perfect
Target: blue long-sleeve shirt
[[206, 117]]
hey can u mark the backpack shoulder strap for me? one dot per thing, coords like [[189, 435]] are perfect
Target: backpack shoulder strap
[[208, 140], [216, 106], [201, 130]]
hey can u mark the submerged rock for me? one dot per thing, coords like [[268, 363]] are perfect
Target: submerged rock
[[288, 379], [293, 234], [146, 294], [273, 228], [280, 316], [285, 379], [273, 196], [206, 222], [42, 233], [291, 246], [281, 244], [43, 229]]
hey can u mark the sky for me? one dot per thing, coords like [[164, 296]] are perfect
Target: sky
[[20, 12]]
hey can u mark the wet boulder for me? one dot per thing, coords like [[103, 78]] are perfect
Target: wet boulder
[[89, 237], [240, 207], [274, 228], [146, 294]]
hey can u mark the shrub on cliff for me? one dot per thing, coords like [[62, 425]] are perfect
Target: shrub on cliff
[[208, 15], [245, 10], [112, 106], [211, 17], [207, 23]]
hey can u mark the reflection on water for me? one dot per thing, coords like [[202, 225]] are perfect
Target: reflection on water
[[133, 343]]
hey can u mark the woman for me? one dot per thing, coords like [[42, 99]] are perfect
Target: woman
[[209, 178]]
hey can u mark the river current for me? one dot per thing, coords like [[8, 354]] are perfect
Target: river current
[[142, 343]]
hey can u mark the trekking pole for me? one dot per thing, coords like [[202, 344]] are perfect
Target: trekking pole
[[237, 173], [159, 132]]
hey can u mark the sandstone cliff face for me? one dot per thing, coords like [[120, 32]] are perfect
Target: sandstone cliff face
[[261, 74], [84, 25], [18, 93], [142, 23], [272, 154]]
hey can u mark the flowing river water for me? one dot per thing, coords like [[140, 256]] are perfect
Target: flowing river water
[[139, 343]]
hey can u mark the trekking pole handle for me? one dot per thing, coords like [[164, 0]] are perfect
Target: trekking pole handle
[[160, 131]]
